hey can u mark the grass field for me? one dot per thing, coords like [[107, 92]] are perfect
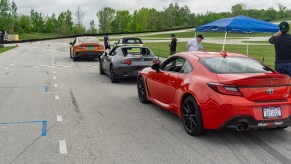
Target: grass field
[[36, 36], [190, 34], [6, 49], [256, 51]]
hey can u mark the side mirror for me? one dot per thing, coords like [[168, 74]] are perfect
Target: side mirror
[[156, 67], [71, 43], [105, 54]]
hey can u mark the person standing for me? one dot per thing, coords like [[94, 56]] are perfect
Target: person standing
[[282, 44], [173, 44], [106, 42], [195, 44]]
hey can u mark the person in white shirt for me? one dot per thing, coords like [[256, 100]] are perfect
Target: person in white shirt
[[195, 44]]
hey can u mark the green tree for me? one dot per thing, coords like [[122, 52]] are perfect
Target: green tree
[[121, 21], [105, 17], [92, 28]]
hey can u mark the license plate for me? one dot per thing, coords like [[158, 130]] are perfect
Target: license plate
[[89, 48], [272, 112]]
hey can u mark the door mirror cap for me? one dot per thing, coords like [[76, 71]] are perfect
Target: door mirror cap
[[156, 67], [71, 43]]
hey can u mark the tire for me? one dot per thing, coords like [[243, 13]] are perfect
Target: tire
[[113, 77], [75, 58], [71, 54], [142, 94], [101, 68], [192, 117]]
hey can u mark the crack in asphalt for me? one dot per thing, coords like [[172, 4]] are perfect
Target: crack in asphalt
[[76, 107]]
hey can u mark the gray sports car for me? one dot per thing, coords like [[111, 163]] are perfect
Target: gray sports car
[[126, 61]]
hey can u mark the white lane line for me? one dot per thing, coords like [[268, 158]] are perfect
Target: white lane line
[[11, 64], [55, 85], [54, 77], [63, 147], [59, 118], [6, 68], [54, 72], [57, 97]]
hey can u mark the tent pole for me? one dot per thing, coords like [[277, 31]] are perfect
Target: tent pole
[[224, 40], [248, 43]]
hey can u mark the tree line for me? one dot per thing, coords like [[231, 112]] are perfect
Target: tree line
[[118, 21]]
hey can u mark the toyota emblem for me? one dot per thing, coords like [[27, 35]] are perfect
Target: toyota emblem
[[270, 91]]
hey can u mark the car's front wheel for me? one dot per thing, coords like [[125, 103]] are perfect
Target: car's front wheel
[[141, 91], [192, 117]]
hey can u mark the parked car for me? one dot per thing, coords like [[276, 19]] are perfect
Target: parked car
[[86, 47], [126, 61], [129, 42], [210, 90]]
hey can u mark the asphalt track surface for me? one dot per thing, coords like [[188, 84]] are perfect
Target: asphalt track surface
[[90, 120]]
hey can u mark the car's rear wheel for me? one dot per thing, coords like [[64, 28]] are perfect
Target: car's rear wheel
[[101, 68], [113, 77], [192, 117], [142, 95]]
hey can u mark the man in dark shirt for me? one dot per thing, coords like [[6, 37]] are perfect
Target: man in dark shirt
[[106, 42], [282, 43], [173, 44]]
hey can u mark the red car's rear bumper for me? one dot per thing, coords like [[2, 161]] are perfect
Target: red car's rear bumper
[[230, 112]]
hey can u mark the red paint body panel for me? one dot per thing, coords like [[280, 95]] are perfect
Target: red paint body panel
[[167, 89]]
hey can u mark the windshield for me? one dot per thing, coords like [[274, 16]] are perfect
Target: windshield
[[88, 40], [133, 41], [231, 65], [136, 51]]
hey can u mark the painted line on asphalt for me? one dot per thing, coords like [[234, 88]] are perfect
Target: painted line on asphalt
[[54, 72], [20, 87], [63, 147], [54, 77], [44, 125], [55, 85], [57, 97], [59, 118], [11, 64], [6, 68]]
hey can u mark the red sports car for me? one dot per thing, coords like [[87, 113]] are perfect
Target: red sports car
[[212, 90]]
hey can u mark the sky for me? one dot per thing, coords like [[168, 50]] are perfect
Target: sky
[[90, 7]]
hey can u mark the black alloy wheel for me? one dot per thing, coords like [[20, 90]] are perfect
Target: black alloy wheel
[[192, 117], [141, 91]]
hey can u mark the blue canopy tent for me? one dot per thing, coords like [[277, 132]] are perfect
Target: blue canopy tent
[[238, 24]]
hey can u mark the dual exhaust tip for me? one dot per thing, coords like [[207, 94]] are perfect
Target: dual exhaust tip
[[241, 127]]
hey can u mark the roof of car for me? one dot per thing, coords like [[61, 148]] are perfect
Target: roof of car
[[200, 54]]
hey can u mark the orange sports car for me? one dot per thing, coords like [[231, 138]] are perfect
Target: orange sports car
[[86, 47]]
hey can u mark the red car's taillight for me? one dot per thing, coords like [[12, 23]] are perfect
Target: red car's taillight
[[128, 62], [225, 89]]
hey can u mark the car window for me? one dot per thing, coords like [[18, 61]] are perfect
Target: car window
[[113, 52], [133, 41], [173, 64], [186, 68], [230, 65], [88, 40], [131, 51]]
